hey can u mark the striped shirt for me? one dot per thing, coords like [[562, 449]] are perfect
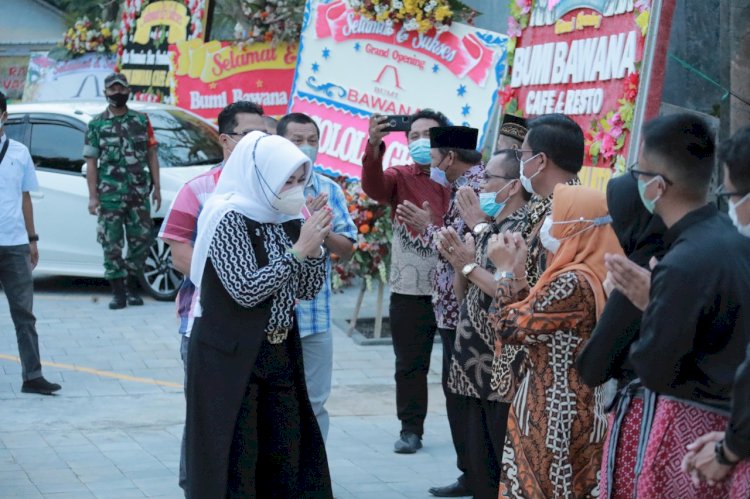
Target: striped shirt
[[181, 225], [314, 316]]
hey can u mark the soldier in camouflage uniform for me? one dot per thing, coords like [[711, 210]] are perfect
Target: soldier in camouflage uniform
[[123, 170]]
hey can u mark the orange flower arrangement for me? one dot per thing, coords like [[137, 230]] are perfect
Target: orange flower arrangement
[[371, 258]]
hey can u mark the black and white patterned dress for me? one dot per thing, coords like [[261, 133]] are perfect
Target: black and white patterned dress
[[250, 428], [284, 278]]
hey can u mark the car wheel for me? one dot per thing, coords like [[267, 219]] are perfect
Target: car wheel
[[159, 278]]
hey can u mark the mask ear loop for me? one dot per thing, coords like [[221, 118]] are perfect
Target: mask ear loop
[[595, 222], [260, 177]]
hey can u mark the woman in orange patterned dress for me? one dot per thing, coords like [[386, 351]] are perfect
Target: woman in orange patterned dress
[[556, 424]]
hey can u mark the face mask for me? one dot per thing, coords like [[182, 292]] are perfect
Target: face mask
[[743, 229], [650, 204], [420, 151], [290, 201], [549, 242], [526, 181], [310, 151], [118, 100], [489, 205]]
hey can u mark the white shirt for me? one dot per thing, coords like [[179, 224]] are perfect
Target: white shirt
[[17, 176]]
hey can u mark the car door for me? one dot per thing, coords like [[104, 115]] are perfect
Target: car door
[[67, 232]]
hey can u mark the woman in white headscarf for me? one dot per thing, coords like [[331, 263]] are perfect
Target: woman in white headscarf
[[250, 429]]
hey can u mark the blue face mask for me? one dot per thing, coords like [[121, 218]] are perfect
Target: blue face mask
[[650, 204], [438, 175], [309, 151], [489, 205], [420, 151]]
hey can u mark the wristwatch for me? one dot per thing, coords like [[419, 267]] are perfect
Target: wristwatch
[[499, 276], [33, 238], [721, 457], [478, 228], [469, 268]]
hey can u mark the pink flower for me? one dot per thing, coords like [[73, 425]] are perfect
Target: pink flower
[[608, 146], [524, 5], [616, 122], [551, 4], [514, 29]]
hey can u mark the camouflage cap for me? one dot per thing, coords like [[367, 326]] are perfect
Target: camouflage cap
[[115, 78]]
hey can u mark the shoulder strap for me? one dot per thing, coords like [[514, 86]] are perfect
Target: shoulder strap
[[4, 150]]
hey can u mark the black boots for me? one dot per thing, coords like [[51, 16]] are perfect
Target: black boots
[[134, 297], [125, 292], [118, 294]]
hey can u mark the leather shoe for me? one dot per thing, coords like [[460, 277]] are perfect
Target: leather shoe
[[409, 443], [40, 386], [456, 489]]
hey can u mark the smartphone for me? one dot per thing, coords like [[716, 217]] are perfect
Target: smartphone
[[398, 123], [305, 212]]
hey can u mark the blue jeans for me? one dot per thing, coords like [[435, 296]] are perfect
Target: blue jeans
[[15, 277]]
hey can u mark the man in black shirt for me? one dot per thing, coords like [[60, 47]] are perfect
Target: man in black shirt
[[725, 455], [692, 334]]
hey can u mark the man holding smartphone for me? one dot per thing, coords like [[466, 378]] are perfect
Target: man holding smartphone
[[413, 263]]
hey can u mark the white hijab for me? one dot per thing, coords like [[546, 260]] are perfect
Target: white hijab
[[251, 178]]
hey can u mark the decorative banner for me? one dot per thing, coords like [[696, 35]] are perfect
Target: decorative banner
[[208, 76], [580, 58], [350, 67], [79, 78], [13, 76], [147, 30]]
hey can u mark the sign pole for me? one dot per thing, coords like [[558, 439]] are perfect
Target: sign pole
[[652, 71]]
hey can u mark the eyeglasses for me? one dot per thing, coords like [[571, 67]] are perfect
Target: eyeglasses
[[488, 176], [519, 153], [635, 173], [729, 194], [245, 132]]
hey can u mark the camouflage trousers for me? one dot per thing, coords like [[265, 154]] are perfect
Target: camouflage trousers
[[122, 220]]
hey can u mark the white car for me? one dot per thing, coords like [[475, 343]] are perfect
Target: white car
[[54, 133]]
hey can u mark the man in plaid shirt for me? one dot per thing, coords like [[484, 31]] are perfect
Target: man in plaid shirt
[[314, 316]]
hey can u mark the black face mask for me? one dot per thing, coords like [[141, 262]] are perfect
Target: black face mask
[[118, 100]]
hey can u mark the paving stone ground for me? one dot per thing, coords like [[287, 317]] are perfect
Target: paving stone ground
[[114, 430]]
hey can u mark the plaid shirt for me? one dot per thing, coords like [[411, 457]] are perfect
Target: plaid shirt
[[314, 316]]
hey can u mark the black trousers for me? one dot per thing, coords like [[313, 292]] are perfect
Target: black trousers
[[413, 332], [486, 423], [454, 408]]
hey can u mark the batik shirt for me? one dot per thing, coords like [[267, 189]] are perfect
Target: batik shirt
[[413, 257], [443, 295], [471, 364], [556, 423], [121, 144]]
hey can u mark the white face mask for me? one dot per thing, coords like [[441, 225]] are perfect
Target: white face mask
[[290, 201], [549, 242], [743, 229], [526, 181]]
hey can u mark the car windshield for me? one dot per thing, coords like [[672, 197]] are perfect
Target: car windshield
[[184, 140]]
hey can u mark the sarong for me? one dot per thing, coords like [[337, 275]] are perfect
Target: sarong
[[677, 424]]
